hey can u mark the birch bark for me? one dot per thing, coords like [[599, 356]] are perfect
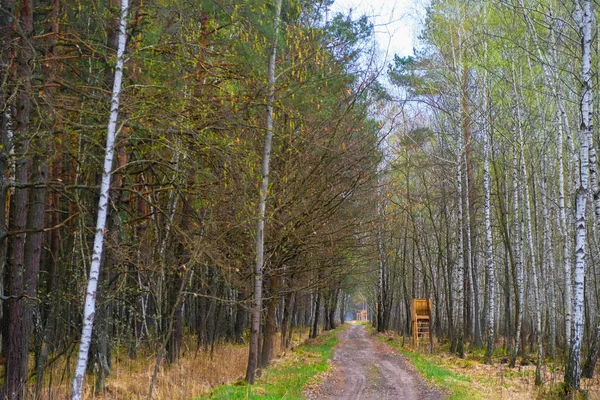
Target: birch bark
[[470, 275], [573, 369], [460, 256], [548, 251], [90, 298], [489, 249], [517, 242], [561, 121], [488, 241], [529, 234], [563, 126], [260, 228], [380, 284], [590, 363], [532, 259]]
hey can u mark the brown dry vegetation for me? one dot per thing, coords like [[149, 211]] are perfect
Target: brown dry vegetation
[[498, 381], [196, 373]]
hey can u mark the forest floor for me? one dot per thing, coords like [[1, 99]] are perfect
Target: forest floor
[[287, 376], [470, 378], [350, 362], [364, 368]]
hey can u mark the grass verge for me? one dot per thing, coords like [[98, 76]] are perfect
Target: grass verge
[[286, 378], [456, 385]]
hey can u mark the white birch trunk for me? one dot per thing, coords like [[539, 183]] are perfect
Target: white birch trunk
[[459, 322], [548, 251], [489, 249], [532, 259], [529, 234], [594, 171], [564, 232], [562, 121], [573, 370], [469, 259], [549, 76], [594, 178], [488, 240], [380, 253], [460, 259], [262, 204], [90, 297], [517, 241]]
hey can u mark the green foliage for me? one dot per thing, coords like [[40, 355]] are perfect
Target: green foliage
[[417, 74], [560, 391], [189, 151], [457, 385], [346, 33], [288, 378]]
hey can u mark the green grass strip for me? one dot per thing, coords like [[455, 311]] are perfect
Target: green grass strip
[[288, 378], [456, 385]]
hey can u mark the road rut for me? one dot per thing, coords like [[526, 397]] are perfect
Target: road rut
[[365, 368]]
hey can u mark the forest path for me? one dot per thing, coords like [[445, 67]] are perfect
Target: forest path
[[365, 368]]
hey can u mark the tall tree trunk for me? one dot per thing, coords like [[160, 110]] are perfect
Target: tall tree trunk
[[17, 349], [270, 325], [489, 249], [459, 329], [529, 234], [333, 308], [549, 261], [33, 245], [90, 298], [6, 134], [551, 78], [590, 362], [537, 306], [592, 358], [518, 249], [315, 323], [471, 310], [17, 309], [262, 203], [240, 317], [326, 305], [343, 309], [174, 277], [573, 368], [286, 321], [381, 309], [48, 312]]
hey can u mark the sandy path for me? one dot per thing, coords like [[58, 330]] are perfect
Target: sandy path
[[365, 368]]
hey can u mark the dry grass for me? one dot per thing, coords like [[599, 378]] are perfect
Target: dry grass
[[498, 381], [189, 377], [193, 375], [495, 381]]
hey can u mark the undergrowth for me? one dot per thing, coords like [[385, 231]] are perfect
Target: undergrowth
[[471, 378], [287, 377], [457, 386], [194, 374]]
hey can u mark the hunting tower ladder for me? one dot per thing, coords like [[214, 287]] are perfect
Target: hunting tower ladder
[[420, 319]]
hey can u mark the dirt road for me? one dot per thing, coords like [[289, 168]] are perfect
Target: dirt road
[[365, 368]]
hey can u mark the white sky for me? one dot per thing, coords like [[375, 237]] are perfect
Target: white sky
[[396, 22]]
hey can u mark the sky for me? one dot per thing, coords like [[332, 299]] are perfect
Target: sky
[[396, 22]]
